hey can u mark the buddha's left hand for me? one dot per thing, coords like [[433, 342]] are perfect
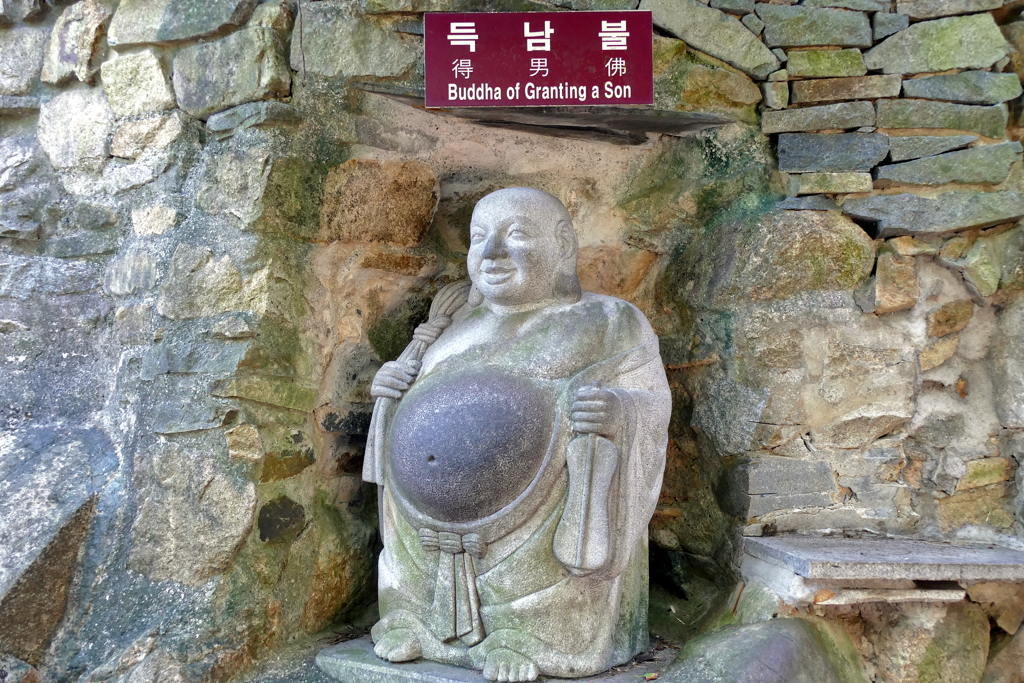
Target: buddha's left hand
[[597, 411]]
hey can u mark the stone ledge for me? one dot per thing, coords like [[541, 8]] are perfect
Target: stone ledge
[[354, 662], [887, 559]]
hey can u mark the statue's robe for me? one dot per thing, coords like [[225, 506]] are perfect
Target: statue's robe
[[507, 383]]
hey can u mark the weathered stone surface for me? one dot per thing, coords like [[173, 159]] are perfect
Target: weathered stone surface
[[753, 23], [136, 83], [734, 6], [1006, 364], [133, 139], [23, 10], [776, 94], [321, 46], [281, 520], [793, 26], [192, 519], [884, 24], [778, 649], [896, 287], [989, 121], [854, 88], [989, 164], [74, 130], [1004, 602], [984, 472], [132, 272], [907, 214], [276, 15], [174, 21], [928, 9], [858, 5], [809, 152], [715, 33], [989, 506], [825, 63], [938, 352], [972, 42], [782, 75], [919, 640], [828, 183], [949, 318], [844, 115], [817, 202], [366, 201], [968, 87], [18, 106], [902, 148], [686, 80], [74, 43], [1005, 666], [27, 187], [155, 219], [21, 58], [253, 115], [17, 671], [909, 246], [244, 67], [82, 244], [199, 285]]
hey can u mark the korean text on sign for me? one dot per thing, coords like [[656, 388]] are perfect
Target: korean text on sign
[[507, 59]]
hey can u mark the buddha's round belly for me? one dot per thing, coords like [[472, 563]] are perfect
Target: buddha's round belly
[[463, 445]]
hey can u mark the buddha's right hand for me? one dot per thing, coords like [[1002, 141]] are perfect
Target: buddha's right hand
[[393, 378]]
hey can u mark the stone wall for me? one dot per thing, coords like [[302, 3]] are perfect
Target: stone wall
[[210, 238]]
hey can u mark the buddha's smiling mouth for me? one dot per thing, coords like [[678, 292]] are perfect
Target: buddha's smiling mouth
[[496, 275]]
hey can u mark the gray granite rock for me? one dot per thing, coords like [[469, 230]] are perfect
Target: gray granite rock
[[826, 63], [843, 115], [137, 83], [75, 44], [971, 42], [775, 650], [989, 121], [780, 53], [74, 130], [18, 106], [967, 87], [16, 670], [715, 33], [814, 202], [807, 152], [321, 43], [989, 165], [27, 187], [790, 26], [753, 23], [848, 558], [908, 214], [175, 21], [734, 6], [853, 88], [929, 9], [246, 66], [902, 148], [775, 94], [884, 24], [21, 58], [1006, 362], [858, 5], [252, 114]]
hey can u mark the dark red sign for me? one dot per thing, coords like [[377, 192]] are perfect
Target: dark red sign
[[516, 59]]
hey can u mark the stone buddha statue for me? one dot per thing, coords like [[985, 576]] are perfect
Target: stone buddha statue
[[519, 445]]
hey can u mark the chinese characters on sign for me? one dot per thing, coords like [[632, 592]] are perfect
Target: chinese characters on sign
[[509, 59]]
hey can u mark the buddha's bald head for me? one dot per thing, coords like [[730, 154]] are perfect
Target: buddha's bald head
[[523, 248]]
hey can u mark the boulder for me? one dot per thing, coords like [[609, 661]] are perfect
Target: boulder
[[854, 88], [166, 22], [825, 63], [74, 47], [21, 58], [971, 42], [370, 201], [326, 35], [714, 32], [989, 164], [902, 148], [137, 83], [793, 26], [244, 67], [966, 87], [830, 116], [989, 121], [908, 214]]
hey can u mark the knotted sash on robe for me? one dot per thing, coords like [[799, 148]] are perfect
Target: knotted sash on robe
[[455, 611]]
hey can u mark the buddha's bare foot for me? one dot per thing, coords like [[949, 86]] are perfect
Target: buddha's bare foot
[[399, 645], [508, 665]]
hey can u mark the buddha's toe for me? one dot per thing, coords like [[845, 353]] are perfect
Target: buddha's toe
[[508, 665], [399, 645]]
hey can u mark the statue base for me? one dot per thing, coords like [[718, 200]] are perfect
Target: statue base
[[354, 662]]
